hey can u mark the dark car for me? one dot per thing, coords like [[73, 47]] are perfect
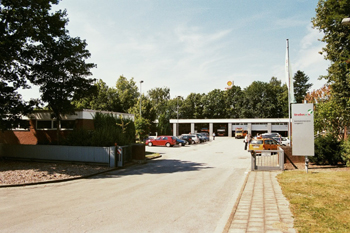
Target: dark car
[[180, 141], [187, 138], [201, 138], [205, 136]]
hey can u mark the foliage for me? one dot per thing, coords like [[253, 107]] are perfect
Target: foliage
[[24, 27], [108, 131], [105, 98], [328, 150], [142, 127], [164, 127], [214, 104], [127, 92], [328, 118], [301, 86], [159, 98], [346, 152], [233, 102], [329, 14]]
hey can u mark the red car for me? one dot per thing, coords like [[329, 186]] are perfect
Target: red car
[[162, 141]]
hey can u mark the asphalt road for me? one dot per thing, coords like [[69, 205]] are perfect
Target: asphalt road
[[189, 189]]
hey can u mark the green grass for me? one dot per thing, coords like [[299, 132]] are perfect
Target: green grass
[[319, 200]]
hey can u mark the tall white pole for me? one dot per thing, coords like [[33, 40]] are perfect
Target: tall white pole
[[288, 69]]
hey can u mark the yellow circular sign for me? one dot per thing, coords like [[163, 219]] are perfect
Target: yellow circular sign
[[229, 83]]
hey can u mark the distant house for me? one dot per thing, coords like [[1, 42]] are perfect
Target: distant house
[[40, 128]]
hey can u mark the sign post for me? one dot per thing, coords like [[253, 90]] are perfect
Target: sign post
[[303, 131]]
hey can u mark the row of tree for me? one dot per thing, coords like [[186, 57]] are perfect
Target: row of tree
[[259, 100]]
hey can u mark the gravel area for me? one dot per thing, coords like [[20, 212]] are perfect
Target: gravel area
[[19, 172]]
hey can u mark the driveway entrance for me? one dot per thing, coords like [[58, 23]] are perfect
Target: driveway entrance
[[189, 189]]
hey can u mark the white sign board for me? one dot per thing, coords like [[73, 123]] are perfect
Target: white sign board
[[303, 130]]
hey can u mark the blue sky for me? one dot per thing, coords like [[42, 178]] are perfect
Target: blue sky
[[195, 46]]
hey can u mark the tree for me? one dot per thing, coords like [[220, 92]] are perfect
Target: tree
[[278, 95], [60, 70], [329, 14], [159, 98], [192, 107], [301, 86], [233, 102], [214, 104], [24, 27], [127, 92], [105, 98]]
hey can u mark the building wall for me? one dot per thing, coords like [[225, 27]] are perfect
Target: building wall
[[34, 136]]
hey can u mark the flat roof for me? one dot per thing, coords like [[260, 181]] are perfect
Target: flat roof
[[240, 120]]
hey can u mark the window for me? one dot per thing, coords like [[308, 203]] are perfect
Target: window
[[44, 124], [21, 125], [66, 124]]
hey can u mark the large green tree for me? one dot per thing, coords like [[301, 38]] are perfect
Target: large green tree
[[233, 102], [105, 98], [214, 104], [127, 92], [301, 86], [329, 14], [24, 27], [192, 107]]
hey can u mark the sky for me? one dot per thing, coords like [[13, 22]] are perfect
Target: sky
[[196, 46]]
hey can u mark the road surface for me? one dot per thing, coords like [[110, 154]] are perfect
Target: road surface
[[189, 189]]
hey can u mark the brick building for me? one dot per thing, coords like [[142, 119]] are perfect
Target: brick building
[[40, 128]]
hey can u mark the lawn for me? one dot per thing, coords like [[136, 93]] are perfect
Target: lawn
[[319, 199]]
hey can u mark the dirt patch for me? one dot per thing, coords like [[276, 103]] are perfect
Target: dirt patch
[[19, 172]]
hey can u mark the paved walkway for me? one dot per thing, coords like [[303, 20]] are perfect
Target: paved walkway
[[262, 207]]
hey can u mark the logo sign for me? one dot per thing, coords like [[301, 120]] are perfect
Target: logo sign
[[229, 84], [303, 130]]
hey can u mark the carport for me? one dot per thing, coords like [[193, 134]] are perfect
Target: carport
[[253, 126]]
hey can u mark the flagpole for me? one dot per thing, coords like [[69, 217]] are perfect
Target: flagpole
[[289, 123]]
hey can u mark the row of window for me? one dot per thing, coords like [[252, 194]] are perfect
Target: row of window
[[52, 124], [45, 125]]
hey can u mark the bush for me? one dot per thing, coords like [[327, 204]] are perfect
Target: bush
[[346, 152], [328, 150], [108, 131]]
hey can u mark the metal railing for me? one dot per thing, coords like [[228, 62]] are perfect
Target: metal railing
[[267, 160]]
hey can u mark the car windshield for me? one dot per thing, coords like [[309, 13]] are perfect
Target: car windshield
[[256, 141]]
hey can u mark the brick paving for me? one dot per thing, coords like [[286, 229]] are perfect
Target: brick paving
[[262, 206]]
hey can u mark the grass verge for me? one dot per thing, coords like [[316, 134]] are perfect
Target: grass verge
[[319, 201]]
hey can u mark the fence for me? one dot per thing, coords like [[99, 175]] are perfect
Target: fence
[[98, 155], [267, 160]]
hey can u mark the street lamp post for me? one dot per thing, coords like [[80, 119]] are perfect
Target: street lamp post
[[140, 98]]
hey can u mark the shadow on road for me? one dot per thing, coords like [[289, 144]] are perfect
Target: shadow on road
[[157, 167]]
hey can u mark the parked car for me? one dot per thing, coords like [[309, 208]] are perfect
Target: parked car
[[187, 139], [270, 135], [201, 137], [259, 144], [162, 141], [180, 141], [285, 141], [205, 135], [196, 139]]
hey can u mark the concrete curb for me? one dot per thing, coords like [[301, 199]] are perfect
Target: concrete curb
[[233, 212]]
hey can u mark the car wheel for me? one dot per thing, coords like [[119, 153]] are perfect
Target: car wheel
[[167, 144], [150, 144]]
